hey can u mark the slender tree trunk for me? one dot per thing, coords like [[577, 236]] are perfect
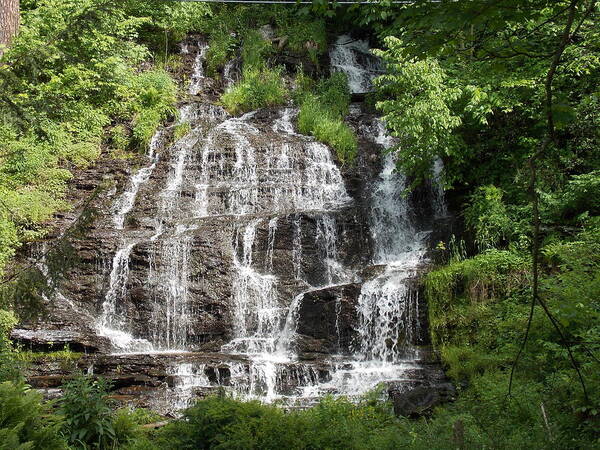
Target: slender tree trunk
[[9, 22]]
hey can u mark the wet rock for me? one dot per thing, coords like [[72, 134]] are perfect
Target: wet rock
[[49, 340], [327, 318], [416, 398]]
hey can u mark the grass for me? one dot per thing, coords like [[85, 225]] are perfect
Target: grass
[[61, 355], [322, 112], [258, 88]]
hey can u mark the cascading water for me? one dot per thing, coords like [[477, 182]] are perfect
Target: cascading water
[[110, 323], [278, 203], [353, 57]]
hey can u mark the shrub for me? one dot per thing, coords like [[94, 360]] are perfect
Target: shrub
[[302, 32], [322, 113], [459, 295], [486, 215], [88, 417], [156, 96], [222, 422], [126, 427], [581, 196], [255, 50], [119, 139], [25, 422], [222, 45], [258, 88]]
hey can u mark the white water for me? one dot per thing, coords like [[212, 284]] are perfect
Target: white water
[[354, 58], [110, 323], [125, 203], [171, 316], [197, 81], [221, 169]]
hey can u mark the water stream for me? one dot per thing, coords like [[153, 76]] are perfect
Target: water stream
[[280, 200]]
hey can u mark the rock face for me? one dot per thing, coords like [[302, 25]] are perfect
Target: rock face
[[241, 256], [326, 320]]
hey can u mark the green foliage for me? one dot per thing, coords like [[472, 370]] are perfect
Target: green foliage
[[255, 50], [25, 422], [306, 36], [141, 416], [221, 422], [478, 310], [66, 355], [73, 70], [118, 138], [322, 113], [235, 29], [156, 96], [580, 197], [88, 418], [418, 108], [181, 129], [222, 46], [463, 293], [9, 367], [487, 216], [258, 88], [126, 425]]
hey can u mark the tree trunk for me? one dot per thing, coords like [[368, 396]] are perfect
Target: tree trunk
[[9, 22]]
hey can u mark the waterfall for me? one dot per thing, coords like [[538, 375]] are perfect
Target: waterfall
[[353, 57], [197, 80], [111, 323], [257, 313], [170, 310], [125, 203], [265, 211]]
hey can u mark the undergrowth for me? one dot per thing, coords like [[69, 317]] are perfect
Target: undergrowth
[[322, 112], [258, 88]]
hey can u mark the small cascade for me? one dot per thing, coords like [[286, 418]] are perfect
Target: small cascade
[[387, 314], [125, 203], [197, 79], [271, 244], [439, 204], [189, 377], [353, 57], [170, 312], [256, 311], [326, 238], [229, 73]]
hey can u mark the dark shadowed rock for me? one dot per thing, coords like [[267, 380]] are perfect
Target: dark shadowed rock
[[327, 318]]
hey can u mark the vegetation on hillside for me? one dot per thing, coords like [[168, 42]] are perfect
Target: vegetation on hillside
[[506, 95]]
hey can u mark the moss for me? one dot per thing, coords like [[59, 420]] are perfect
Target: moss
[[66, 354], [181, 129]]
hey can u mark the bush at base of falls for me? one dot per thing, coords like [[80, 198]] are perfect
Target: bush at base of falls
[[478, 312], [89, 420], [483, 417], [258, 88], [26, 422], [222, 422]]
